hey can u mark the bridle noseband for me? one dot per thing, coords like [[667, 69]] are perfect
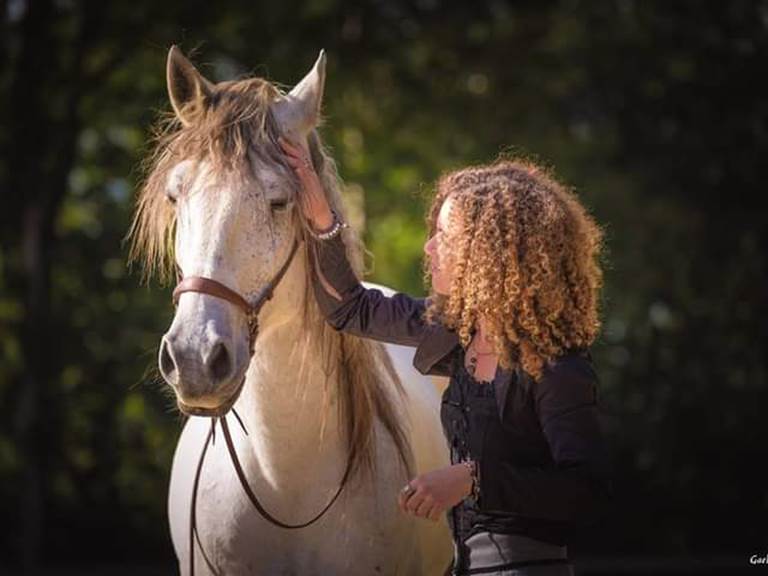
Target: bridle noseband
[[214, 288]]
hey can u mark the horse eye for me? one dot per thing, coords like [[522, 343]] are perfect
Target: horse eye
[[170, 197], [279, 205]]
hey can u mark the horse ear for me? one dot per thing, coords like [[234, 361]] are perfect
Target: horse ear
[[187, 88], [299, 111]]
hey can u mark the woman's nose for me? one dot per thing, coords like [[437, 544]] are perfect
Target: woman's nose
[[428, 246]]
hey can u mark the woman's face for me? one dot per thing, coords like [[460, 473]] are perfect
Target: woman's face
[[438, 248]]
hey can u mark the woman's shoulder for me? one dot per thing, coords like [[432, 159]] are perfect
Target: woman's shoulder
[[569, 377], [574, 362]]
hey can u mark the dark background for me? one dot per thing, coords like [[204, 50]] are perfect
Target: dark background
[[656, 112]]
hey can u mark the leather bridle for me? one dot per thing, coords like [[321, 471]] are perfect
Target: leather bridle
[[212, 287]]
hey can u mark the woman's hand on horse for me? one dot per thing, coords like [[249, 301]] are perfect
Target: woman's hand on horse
[[436, 491], [312, 197]]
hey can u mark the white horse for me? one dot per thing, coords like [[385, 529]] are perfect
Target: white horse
[[219, 203]]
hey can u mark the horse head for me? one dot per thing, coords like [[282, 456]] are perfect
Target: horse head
[[237, 224]]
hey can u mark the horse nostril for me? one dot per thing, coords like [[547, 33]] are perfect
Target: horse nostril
[[218, 363], [167, 363]]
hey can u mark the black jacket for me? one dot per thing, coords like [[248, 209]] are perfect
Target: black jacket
[[544, 468]]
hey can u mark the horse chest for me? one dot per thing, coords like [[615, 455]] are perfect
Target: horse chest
[[354, 533]]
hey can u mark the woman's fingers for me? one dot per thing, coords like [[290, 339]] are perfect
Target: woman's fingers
[[286, 144], [419, 503], [295, 162], [311, 197], [435, 512], [297, 159], [293, 149], [299, 165], [424, 507], [415, 501], [294, 157], [404, 496]]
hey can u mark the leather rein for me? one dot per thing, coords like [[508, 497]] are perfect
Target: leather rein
[[211, 287]]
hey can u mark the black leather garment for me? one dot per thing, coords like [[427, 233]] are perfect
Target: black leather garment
[[544, 468]]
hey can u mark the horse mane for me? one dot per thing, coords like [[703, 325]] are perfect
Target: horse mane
[[235, 128]]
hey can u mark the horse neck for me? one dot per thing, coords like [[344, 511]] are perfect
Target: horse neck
[[291, 426]]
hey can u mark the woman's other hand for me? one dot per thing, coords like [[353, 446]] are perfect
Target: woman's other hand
[[312, 197], [436, 491]]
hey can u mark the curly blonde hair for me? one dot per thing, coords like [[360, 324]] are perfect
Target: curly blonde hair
[[526, 258]]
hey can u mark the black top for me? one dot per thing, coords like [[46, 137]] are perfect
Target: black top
[[544, 469], [541, 480]]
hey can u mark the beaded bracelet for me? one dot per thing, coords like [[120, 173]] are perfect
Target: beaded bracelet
[[334, 230], [474, 474]]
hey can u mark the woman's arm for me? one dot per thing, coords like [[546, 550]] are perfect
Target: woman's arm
[[352, 308], [578, 489], [346, 304]]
